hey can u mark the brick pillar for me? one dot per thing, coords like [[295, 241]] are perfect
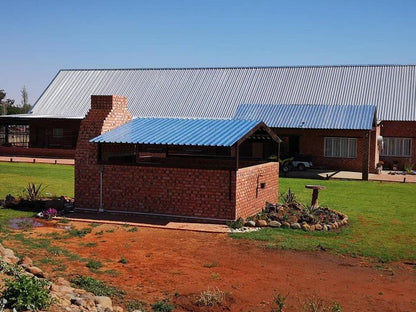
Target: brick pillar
[[107, 112]]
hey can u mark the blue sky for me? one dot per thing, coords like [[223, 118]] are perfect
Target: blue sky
[[39, 37]]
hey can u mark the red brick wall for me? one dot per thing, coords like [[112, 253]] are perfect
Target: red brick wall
[[250, 197], [171, 191], [311, 142], [106, 113], [37, 152], [400, 129]]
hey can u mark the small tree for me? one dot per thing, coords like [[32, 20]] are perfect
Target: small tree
[[25, 101]]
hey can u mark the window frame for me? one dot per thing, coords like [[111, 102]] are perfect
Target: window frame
[[391, 150], [338, 146]]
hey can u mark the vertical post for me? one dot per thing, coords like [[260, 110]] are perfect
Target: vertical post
[[366, 156], [101, 209], [237, 156]]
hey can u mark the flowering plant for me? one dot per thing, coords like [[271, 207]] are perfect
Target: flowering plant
[[50, 213]]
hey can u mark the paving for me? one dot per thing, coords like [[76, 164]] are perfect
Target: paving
[[145, 221], [39, 160]]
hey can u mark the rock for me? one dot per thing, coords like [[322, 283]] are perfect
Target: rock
[[293, 219], [11, 259], [312, 227], [61, 289], [117, 309], [62, 281], [85, 303], [275, 224], [286, 224], [329, 227], [261, 223], [306, 227], [318, 227], [26, 262], [295, 226], [35, 271], [103, 303], [325, 227], [250, 223]]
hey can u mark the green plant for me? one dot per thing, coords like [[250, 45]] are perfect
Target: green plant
[[110, 231], [60, 268], [280, 302], [25, 225], [237, 224], [136, 305], [162, 306], [123, 260], [408, 167], [27, 293], [34, 192], [95, 286], [209, 297], [79, 233], [93, 224], [315, 304], [99, 232], [288, 197], [64, 220], [211, 264], [94, 265], [133, 229]]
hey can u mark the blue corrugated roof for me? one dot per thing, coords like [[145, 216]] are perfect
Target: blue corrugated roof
[[176, 131], [353, 117]]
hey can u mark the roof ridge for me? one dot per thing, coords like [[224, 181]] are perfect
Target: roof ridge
[[238, 67]]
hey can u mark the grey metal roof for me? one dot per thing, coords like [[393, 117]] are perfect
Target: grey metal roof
[[308, 116], [216, 92], [176, 131]]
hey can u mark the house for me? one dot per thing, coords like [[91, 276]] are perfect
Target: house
[[53, 124], [181, 167]]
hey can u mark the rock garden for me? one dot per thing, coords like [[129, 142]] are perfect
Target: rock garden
[[295, 215]]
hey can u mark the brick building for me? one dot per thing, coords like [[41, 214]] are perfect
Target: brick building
[[52, 126], [208, 169]]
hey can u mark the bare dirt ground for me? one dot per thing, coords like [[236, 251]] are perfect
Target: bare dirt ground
[[180, 264]]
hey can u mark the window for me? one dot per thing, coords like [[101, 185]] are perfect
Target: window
[[58, 132], [340, 147], [399, 147]]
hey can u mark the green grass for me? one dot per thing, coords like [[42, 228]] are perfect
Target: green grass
[[14, 177], [382, 220]]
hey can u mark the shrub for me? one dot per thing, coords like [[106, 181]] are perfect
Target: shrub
[[162, 306], [50, 213], [237, 224], [94, 265], [135, 305], [123, 260], [133, 229], [288, 197], [210, 298], [97, 287], [34, 192], [64, 220], [27, 293]]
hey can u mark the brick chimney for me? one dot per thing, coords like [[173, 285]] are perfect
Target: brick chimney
[[106, 113]]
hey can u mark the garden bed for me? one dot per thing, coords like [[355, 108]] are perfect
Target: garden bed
[[294, 215]]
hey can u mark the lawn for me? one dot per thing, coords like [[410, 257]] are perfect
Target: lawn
[[14, 177], [382, 215], [382, 220]]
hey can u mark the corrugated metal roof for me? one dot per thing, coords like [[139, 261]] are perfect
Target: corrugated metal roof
[[216, 92], [353, 117], [176, 131]]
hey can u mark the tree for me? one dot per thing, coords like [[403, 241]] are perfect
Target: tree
[[5, 103], [25, 101]]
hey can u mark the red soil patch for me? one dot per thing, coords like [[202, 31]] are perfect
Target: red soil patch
[[164, 262]]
